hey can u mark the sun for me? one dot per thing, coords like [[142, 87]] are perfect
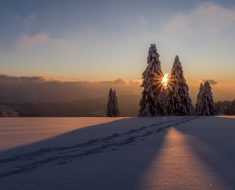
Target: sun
[[165, 80]]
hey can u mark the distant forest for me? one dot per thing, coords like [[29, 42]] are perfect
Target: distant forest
[[226, 107]]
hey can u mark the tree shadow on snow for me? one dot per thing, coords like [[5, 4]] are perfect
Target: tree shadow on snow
[[212, 140], [112, 155]]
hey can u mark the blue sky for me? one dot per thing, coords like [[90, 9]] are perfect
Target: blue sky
[[105, 40]]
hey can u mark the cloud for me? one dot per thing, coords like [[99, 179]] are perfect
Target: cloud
[[211, 81], [204, 18], [69, 48], [48, 89], [207, 28], [27, 41], [118, 81], [12, 79]]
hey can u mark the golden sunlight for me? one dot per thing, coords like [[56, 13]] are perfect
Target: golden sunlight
[[165, 80]]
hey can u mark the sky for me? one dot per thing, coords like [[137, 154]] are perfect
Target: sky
[[101, 40]]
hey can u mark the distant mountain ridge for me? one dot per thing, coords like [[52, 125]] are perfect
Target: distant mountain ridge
[[128, 105]]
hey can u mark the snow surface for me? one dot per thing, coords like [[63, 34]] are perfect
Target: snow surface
[[117, 153]]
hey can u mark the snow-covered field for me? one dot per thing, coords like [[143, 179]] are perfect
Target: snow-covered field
[[173, 153]]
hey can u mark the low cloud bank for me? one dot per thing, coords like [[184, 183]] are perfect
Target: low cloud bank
[[41, 89], [24, 89]]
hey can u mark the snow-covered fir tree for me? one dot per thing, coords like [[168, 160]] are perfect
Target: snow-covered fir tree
[[115, 101], [109, 112], [199, 98], [151, 103], [205, 103], [178, 100], [161, 101], [112, 105]]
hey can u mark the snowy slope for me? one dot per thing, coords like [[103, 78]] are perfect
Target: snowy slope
[[129, 153]]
